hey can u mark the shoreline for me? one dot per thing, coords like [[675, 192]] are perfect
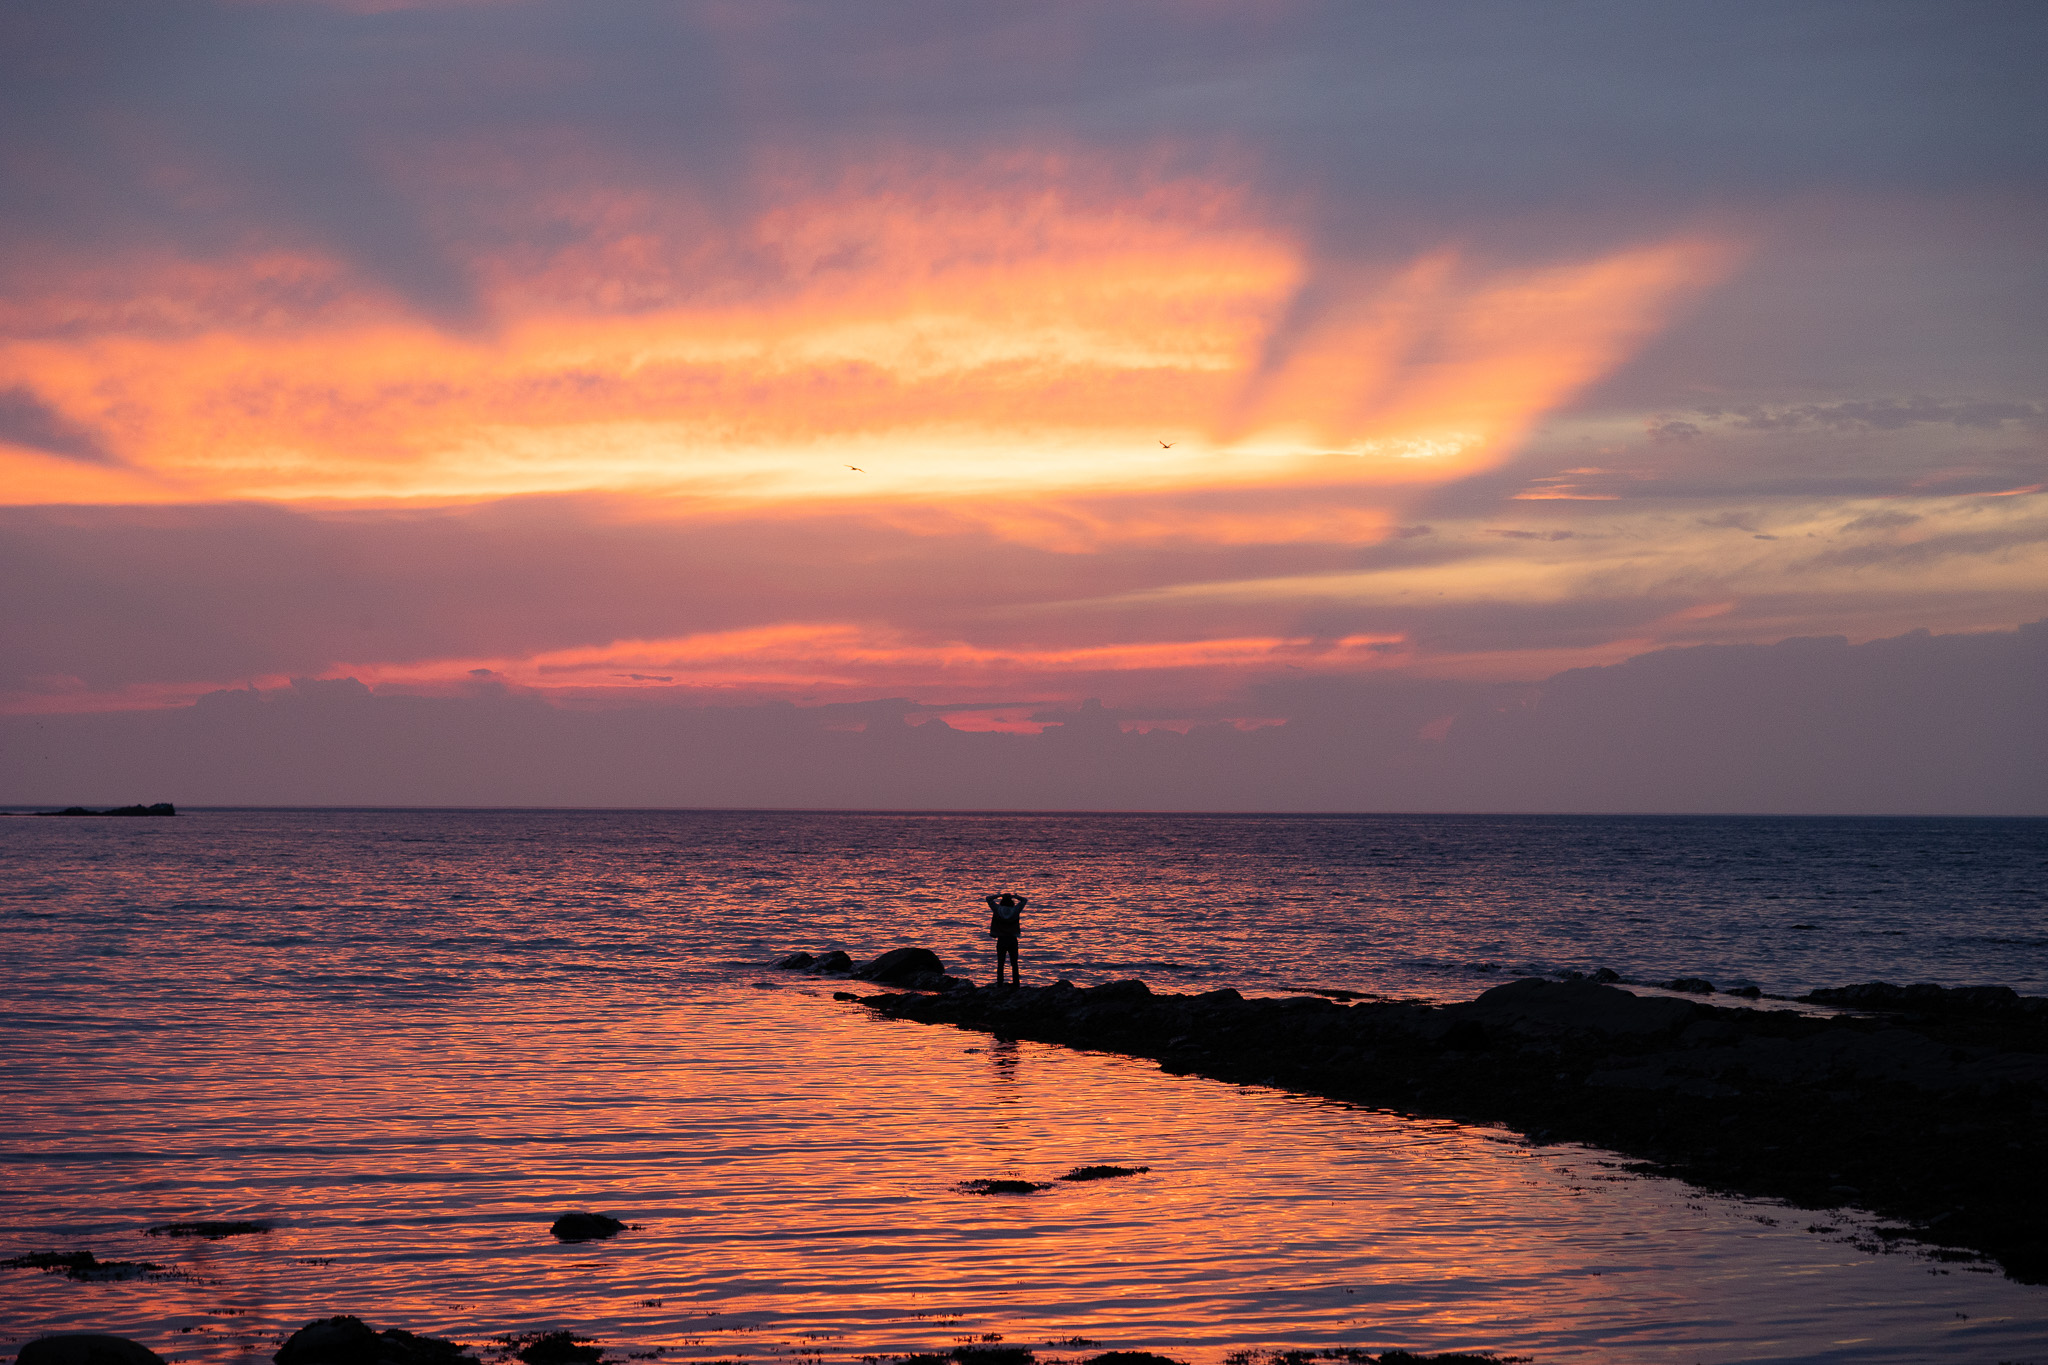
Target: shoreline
[[1932, 1115]]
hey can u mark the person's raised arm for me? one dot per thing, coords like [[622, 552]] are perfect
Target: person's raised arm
[[991, 901]]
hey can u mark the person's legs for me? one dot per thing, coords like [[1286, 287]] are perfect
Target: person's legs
[[1007, 948]]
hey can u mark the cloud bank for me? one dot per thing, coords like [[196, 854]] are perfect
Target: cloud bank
[[1918, 724], [1188, 358]]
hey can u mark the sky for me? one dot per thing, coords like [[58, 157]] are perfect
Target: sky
[[1183, 377]]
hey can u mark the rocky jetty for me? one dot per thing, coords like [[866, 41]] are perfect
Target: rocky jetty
[[1934, 1115]]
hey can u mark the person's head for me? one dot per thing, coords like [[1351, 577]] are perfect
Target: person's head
[[1006, 900]]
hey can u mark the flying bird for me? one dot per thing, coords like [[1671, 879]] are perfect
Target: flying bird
[[856, 469], [1166, 445]]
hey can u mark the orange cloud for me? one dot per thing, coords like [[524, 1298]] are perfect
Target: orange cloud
[[945, 343], [828, 659]]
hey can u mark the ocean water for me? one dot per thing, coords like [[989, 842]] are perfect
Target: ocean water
[[410, 1039]]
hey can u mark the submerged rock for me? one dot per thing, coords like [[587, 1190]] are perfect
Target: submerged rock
[[211, 1229], [1691, 985], [81, 1265], [555, 1348], [86, 1348], [586, 1227], [1080, 1173], [348, 1340], [834, 961], [1001, 1186], [897, 966], [794, 961]]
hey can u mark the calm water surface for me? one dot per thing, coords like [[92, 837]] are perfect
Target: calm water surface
[[410, 1039]]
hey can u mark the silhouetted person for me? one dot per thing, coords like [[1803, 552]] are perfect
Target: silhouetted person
[[1005, 923]]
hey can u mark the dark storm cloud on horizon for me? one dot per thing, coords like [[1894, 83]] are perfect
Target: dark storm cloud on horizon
[[1379, 130]]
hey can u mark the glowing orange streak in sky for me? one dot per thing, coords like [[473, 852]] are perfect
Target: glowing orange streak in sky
[[801, 656], [970, 350]]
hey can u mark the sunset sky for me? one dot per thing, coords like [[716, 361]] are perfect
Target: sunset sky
[[997, 358]]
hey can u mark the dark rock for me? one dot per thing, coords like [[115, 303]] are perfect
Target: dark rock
[[1467, 1035], [1691, 985], [898, 965], [1001, 1186], [585, 1227], [834, 961], [1124, 990], [556, 1348], [1131, 1358], [211, 1229], [794, 961], [1922, 998], [86, 1348], [347, 1340], [1606, 976], [1747, 992], [81, 1265], [1533, 1005], [993, 1355], [160, 808], [1103, 1172]]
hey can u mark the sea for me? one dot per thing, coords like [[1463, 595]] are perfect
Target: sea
[[408, 1040]]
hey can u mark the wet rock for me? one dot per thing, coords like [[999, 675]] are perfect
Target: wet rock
[[86, 1348], [897, 966], [1122, 990], [1081, 1173], [1536, 1006], [1001, 1186], [211, 1229], [348, 1340], [81, 1265], [834, 961], [1691, 985], [793, 962], [1925, 998], [555, 1348], [1214, 999], [1746, 992], [1606, 976], [1467, 1035], [585, 1227], [1132, 1358]]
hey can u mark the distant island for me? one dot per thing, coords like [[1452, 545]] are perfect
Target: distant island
[[160, 808]]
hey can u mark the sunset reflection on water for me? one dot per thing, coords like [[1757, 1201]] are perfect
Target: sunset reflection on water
[[412, 1039], [789, 1161]]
